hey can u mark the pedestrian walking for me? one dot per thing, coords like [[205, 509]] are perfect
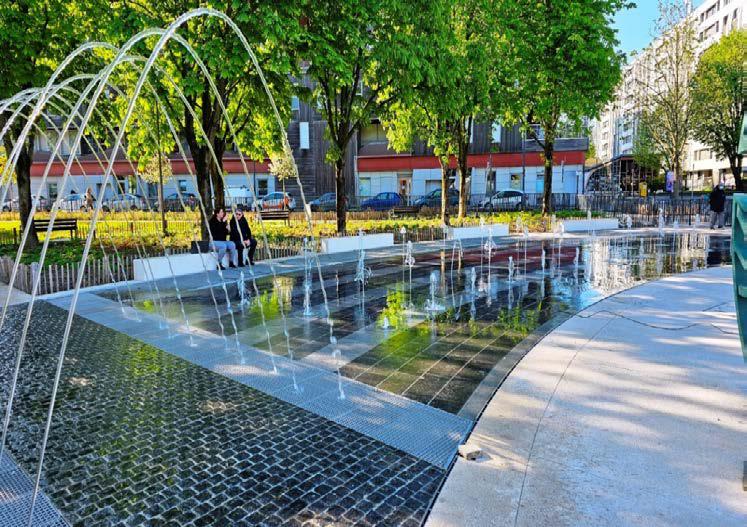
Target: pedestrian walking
[[717, 201], [89, 199], [241, 236]]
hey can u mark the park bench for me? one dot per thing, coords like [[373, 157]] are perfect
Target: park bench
[[283, 215], [408, 210], [59, 225]]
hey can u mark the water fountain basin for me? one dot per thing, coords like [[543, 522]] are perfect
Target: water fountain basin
[[464, 233], [596, 224]]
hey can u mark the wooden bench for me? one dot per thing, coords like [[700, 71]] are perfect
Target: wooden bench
[[59, 225], [283, 215], [409, 210]]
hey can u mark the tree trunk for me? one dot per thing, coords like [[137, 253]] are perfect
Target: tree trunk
[[464, 169], [341, 195], [463, 174], [23, 178], [218, 185], [736, 170], [216, 173], [160, 194], [549, 150], [202, 175], [444, 192]]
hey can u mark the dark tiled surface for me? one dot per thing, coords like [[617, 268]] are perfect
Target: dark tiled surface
[[441, 363], [140, 437]]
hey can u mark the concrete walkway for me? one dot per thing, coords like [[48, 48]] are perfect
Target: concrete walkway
[[631, 413], [17, 297]]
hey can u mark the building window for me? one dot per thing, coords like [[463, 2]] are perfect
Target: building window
[[262, 187], [364, 186], [516, 181], [295, 104], [182, 185], [539, 186], [490, 183], [52, 190], [303, 135], [496, 129]]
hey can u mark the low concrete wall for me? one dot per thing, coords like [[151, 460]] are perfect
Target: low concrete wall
[[354, 243], [463, 233], [596, 224], [181, 264]]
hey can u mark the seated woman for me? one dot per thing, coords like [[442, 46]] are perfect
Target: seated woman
[[241, 235], [219, 232]]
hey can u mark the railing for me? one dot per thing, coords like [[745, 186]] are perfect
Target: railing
[[644, 212], [55, 277]]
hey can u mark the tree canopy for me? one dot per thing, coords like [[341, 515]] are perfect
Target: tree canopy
[[718, 99], [271, 28], [567, 68], [35, 36], [468, 82], [359, 55]]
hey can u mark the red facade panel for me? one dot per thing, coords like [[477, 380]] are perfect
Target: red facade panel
[[407, 162]]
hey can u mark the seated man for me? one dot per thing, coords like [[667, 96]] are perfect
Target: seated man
[[219, 232], [241, 235]]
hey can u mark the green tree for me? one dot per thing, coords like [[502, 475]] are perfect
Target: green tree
[[564, 51], [667, 68], [358, 55], [271, 28], [35, 35], [467, 83], [718, 101], [644, 150]]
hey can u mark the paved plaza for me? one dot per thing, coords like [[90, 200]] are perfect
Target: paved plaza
[[630, 413], [222, 404]]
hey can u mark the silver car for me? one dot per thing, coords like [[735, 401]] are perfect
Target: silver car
[[504, 200]]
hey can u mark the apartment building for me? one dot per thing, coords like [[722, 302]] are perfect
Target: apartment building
[[500, 158], [615, 131]]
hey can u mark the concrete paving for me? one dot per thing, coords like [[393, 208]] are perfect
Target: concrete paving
[[630, 413], [16, 296]]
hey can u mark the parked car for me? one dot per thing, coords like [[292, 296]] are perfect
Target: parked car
[[239, 196], [325, 202], [125, 202], [382, 201], [12, 204], [277, 201], [504, 200], [433, 199], [172, 202], [73, 202]]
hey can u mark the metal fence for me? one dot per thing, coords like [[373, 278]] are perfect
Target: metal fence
[[56, 277], [644, 212]]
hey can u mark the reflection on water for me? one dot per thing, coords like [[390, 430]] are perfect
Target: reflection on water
[[435, 329]]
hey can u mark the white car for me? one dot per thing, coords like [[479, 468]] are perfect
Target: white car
[[503, 200], [126, 202], [277, 201]]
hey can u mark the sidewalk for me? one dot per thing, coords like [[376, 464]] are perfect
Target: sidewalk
[[18, 297], [631, 413]]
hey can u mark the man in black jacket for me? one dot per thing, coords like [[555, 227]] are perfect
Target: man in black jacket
[[241, 235], [717, 201]]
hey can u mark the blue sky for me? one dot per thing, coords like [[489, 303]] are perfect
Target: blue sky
[[635, 25]]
